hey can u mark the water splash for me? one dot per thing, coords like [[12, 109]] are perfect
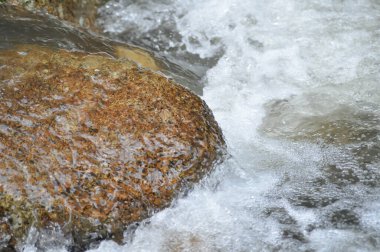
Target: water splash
[[295, 89]]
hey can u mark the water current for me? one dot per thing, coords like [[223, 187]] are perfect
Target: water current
[[295, 87]]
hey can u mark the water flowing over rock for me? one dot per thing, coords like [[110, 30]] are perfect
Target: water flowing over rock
[[19, 26], [80, 13], [90, 144], [296, 91]]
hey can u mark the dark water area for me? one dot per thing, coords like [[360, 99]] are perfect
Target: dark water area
[[18, 27]]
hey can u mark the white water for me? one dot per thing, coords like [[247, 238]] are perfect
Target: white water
[[296, 91], [323, 58]]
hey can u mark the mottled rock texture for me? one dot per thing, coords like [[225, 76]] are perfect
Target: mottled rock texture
[[19, 27], [91, 144], [80, 12]]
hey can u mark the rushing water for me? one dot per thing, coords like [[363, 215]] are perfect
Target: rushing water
[[295, 86]]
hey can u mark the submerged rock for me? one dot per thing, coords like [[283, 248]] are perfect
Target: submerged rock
[[19, 27], [81, 13], [345, 138], [332, 123], [90, 144]]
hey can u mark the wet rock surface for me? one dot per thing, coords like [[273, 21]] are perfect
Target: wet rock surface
[[90, 144], [342, 125], [19, 26], [80, 13]]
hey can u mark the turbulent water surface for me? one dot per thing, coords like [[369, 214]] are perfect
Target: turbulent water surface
[[295, 87]]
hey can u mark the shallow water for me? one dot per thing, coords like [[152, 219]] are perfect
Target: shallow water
[[19, 27], [295, 87], [296, 92]]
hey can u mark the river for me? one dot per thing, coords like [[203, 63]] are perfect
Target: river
[[295, 87]]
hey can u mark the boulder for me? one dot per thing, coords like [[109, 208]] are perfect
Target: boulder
[[90, 144]]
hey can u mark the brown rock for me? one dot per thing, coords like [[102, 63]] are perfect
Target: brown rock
[[92, 144], [78, 12], [19, 27]]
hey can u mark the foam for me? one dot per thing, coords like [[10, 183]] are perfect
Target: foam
[[280, 190]]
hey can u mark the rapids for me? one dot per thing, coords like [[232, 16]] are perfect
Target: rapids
[[295, 87]]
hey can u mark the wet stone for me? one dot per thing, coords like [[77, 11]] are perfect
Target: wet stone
[[281, 215], [339, 126], [81, 13], [19, 27], [90, 144], [293, 234], [344, 218]]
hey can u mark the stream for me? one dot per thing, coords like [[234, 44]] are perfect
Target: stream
[[295, 87]]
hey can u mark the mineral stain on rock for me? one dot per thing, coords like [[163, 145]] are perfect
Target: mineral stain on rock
[[92, 144]]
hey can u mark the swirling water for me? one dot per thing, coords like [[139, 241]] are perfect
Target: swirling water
[[295, 86]]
